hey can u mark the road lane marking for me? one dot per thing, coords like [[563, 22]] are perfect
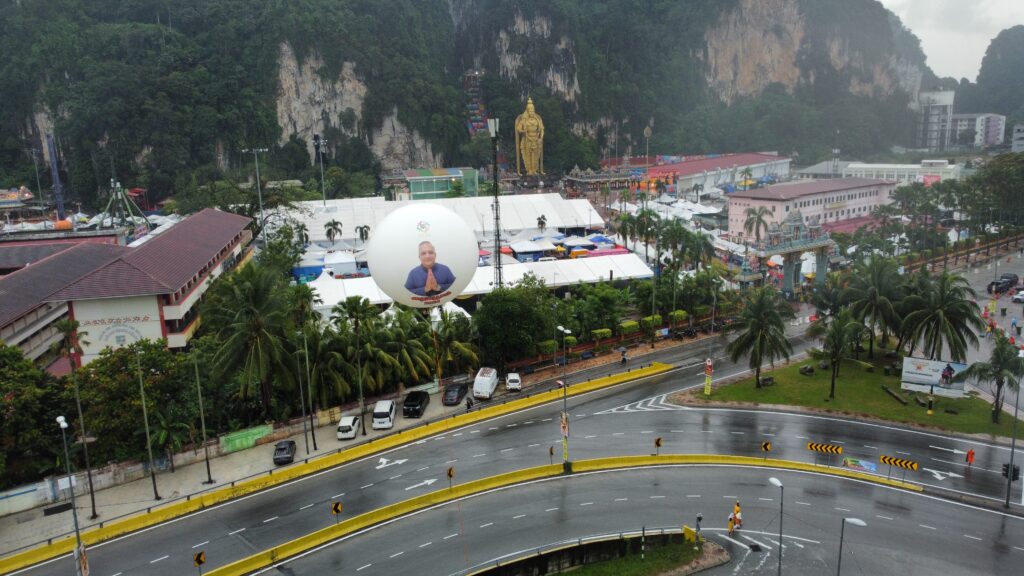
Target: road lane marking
[[708, 431], [740, 433], [843, 509], [621, 499], [425, 544], [236, 531], [1018, 548], [306, 506], [580, 415], [271, 519], [551, 509], [772, 435], [507, 450], [493, 428], [486, 525], [765, 499], [882, 517], [363, 567], [588, 437], [397, 554], [776, 542], [533, 445], [474, 431], [201, 544], [528, 422], [337, 496], [479, 455], [159, 559], [586, 503], [647, 431], [798, 545], [871, 447], [546, 420], [422, 469], [519, 516], [926, 526], [449, 536], [395, 477], [457, 434], [656, 497], [511, 425], [801, 437], [972, 537], [737, 542], [836, 442], [365, 487], [678, 431], [440, 438], [693, 495], [804, 503], [618, 433], [904, 453], [728, 497], [452, 461], [749, 539]]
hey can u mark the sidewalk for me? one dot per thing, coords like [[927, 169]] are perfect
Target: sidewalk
[[31, 526]]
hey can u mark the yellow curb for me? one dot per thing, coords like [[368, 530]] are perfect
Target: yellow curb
[[162, 514], [310, 541]]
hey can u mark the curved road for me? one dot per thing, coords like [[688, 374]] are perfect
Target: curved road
[[906, 534], [621, 420]]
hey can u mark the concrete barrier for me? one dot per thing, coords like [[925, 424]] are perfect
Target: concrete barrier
[[302, 544], [167, 512]]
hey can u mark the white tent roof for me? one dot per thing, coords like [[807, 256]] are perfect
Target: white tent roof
[[558, 273], [518, 212], [531, 246], [339, 258]]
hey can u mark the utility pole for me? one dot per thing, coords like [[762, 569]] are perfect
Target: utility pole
[[35, 164], [318, 144], [492, 127], [259, 191], [71, 488], [202, 421], [145, 420]]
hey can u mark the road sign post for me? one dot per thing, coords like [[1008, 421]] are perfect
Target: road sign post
[[451, 476], [899, 463], [198, 559], [551, 453], [824, 449], [766, 447], [657, 446], [336, 510]]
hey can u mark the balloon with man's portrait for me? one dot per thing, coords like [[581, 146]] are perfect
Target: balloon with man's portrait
[[422, 255]]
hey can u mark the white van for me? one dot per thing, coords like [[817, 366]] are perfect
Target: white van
[[513, 382], [485, 383], [384, 415]]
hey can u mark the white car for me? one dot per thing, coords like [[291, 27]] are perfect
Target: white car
[[513, 382], [347, 427], [1019, 296]]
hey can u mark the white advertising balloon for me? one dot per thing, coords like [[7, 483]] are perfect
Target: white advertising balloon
[[422, 255]]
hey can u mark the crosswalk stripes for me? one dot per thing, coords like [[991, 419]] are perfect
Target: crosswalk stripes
[[653, 404]]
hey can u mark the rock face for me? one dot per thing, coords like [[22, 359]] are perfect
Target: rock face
[[522, 38], [396, 146]]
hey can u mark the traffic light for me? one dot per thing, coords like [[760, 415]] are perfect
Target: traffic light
[[1006, 470], [1016, 472]]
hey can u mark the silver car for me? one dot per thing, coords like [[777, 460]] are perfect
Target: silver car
[[347, 427]]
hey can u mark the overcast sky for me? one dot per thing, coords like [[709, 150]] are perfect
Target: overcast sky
[[955, 33]]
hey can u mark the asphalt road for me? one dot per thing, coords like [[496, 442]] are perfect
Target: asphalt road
[[906, 533], [622, 420]]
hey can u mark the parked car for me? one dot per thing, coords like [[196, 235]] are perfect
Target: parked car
[[454, 393], [347, 427], [485, 383], [415, 404], [513, 382], [284, 452], [384, 414], [1003, 284], [1019, 296]]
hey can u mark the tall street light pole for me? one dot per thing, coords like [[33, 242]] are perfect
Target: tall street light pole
[[309, 388], [319, 144], [71, 487], [566, 465], [302, 403], [1013, 440], [359, 379], [842, 530], [492, 127], [145, 420], [259, 190], [85, 442], [202, 421], [782, 496]]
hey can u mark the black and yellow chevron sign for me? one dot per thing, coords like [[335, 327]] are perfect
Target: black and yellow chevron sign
[[766, 446], [336, 508], [899, 462], [198, 559], [825, 448]]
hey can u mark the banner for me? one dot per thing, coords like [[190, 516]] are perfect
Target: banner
[[922, 375]]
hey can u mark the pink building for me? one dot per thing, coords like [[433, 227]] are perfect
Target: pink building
[[819, 201]]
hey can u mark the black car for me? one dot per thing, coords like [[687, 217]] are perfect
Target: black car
[[284, 452], [454, 393], [415, 404]]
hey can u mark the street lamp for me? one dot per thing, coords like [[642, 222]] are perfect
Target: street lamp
[[145, 420], [566, 465], [71, 487], [309, 389], [302, 403], [259, 191], [319, 144], [202, 421], [1013, 440], [782, 494], [842, 529]]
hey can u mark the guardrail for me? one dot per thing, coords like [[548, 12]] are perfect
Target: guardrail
[[281, 552], [194, 503]]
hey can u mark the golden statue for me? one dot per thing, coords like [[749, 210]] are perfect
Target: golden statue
[[529, 141]]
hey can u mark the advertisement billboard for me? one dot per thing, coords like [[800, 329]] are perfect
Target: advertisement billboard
[[922, 375], [422, 255]]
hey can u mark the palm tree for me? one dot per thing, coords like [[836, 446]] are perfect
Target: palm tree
[[69, 346], [363, 316], [840, 334], [401, 340], [647, 228], [330, 376], [945, 318], [746, 174], [333, 229], [757, 218], [873, 295], [169, 435], [829, 298], [450, 347], [762, 331], [249, 313], [542, 222], [697, 189], [302, 233], [628, 227], [1004, 367], [606, 195], [700, 250], [364, 233]]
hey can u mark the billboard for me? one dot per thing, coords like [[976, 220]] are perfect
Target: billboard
[[922, 375], [422, 255]]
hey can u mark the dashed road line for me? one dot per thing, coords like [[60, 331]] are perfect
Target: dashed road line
[[1018, 548], [770, 435], [457, 434], [337, 496], [904, 453], [801, 437], [678, 431], [533, 445], [422, 469], [618, 433], [621, 499], [479, 455], [738, 433], [511, 425], [528, 422], [507, 449], [271, 519], [926, 526], [586, 503], [201, 544], [449, 536], [486, 525], [551, 509], [363, 567], [798, 545], [656, 497], [159, 559], [306, 506], [708, 431], [972, 537], [236, 531], [803, 503], [728, 497], [693, 495], [365, 487], [440, 438], [883, 517], [474, 431], [519, 516], [493, 428], [452, 461], [546, 420], [842, 509], [871, 447], [761, 544], [589, 436], [647, 431], [836, 442], [396, 477], [425, 544], [765, 499], [397, 554]]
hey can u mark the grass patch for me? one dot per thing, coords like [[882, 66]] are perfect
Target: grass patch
[[859, 392], [657, 561]]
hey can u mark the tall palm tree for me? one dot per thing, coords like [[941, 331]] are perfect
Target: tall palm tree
[[873, 295], [169, 435], [357, 312], [647, 228], [70, 346], [542, 222], [364, 233], [828, 299], [450, 348], [757, 219], [1004, 367], [945, 318], [302, 233], [700, 250], [330, 375], [627, 227], [333, 230], [401, 340], [840, 335], [249, 313], [746, 174], [606, 195], [762, 331]]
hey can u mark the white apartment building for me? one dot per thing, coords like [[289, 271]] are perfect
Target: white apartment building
[[927, 172], [989, 129]]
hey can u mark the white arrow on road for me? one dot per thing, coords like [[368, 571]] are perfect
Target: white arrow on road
[[426, 482], [940, 475], [953, 450], [384, 463]]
